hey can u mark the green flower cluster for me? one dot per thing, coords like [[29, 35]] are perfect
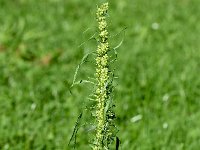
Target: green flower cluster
[[102, 75]]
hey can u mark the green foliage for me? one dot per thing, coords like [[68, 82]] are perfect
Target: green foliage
[[158, 67]]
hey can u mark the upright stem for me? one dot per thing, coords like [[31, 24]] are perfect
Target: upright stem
[[101, 75]]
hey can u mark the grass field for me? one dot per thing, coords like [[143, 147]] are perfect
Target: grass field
[[158, 89]]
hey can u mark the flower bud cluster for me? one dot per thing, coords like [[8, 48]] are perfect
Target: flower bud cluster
[[102, 60], [102, 74], [101, 13], [102, 10], [102, 48]]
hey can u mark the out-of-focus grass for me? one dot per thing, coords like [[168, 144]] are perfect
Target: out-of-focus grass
[[158, 69]]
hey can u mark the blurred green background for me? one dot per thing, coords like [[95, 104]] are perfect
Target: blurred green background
[[158, 89]]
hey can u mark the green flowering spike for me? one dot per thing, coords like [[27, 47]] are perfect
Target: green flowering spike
[[102, 76]]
